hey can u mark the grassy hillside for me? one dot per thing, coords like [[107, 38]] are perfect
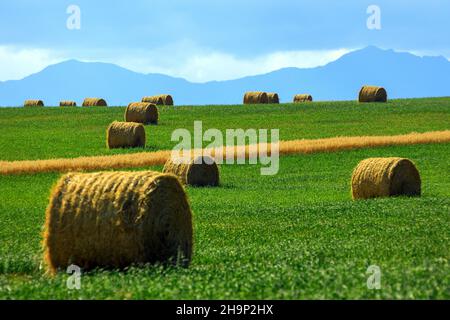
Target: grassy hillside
[[71, 132], [295, 235]]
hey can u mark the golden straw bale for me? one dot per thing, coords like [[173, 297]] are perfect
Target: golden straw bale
[[273, 98], [94, 102], [158, 100], [372, 94], [200, 171], [141, 112], [67, 103], [256, 97], [33, 103], [167, 98], [125, 135], [303, 98], [116, 219], [161, 99], [384, 177]]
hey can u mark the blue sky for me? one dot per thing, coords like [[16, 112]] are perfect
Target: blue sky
[[205, 40]]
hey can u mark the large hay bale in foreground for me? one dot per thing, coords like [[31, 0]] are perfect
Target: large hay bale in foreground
[[201, 171], [372, 94], [161, 99], [273, 98], [125, 135], [94, 102], [116, 219], [67, 103], [384, 177], [141, 112], [33, 103], [256, 97], [298, 98]]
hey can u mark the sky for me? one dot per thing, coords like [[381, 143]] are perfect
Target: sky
[[205, 40]]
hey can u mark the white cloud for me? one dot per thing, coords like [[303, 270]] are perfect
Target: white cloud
[[207, 66], [183, 59], [430, 53], [17, 63]]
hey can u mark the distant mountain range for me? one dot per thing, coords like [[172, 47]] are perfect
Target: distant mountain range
[[402, 74]]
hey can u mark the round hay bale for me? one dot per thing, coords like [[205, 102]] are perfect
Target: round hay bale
[[33, 103], [200, 172], [385, 177], [298, 98], [160, 99], [167, 99], [67, 103], [125, 135], [141, 112], [94, 102], [372, 94], [256, 97], [116, 219], [273, 98]]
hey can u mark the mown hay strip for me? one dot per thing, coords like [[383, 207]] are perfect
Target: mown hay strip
[[137, 160], [132, 160]]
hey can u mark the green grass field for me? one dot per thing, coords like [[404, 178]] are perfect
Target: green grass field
[[72, 132], [295, 235]]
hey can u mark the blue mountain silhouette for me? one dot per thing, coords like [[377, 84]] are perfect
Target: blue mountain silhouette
[[402, 74]]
